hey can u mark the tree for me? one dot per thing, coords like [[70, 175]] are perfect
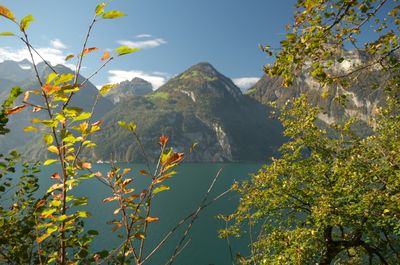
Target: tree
[[333, 196], [16, 224], [50, 230]]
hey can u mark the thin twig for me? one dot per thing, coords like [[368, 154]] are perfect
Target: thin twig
[[171, 260], [34, 105], [180, 223], [33, 49], [148, 195], [79, 63], [228, 242], [97, 71]]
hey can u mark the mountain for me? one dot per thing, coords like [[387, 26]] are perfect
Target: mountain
[[30, 144], [16, 72], [362, 96], [127, 89], [200, 106]]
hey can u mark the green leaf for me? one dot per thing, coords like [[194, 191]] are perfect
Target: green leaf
[[113, 14], [64, 78], [48, 233], [7, 33], [48, 123], [104, 89], [72, 111], [129, 126], [122, 50], [87, 176], [92, 232], [82, 214], [81, 201], [140, 235], [69, 56], [14, 93], [49, 162], [24, 24], [83, 116]]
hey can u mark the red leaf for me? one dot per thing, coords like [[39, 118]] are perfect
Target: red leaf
[[55, 176], [126, 182], [144, 172], [150, 219], [49, 88], [140, 235], [86, 165], [97, 123], [163, 140], [87, 50], [110, 199], [5, 12], [174, 158], [40, 203], [116, 227], [106, 55], [15, 109]]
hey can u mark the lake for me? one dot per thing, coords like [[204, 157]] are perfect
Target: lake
[[188, 188]]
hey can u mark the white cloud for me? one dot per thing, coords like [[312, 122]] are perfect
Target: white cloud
[[145, 44], [245, 82], [50, 54], [117, 76], [57, 44], [143, 36]]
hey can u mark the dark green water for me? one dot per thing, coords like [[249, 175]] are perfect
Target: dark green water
[[187, 191]]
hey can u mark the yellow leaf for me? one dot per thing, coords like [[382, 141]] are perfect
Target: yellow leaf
[[50, 161], [48, 139], [30, 129], [53, 149], [25, 22]]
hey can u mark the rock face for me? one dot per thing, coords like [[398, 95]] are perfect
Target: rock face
[[198, 106], [127, 89], [362, 97]]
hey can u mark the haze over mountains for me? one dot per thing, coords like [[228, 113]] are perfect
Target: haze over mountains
[[199, 106]]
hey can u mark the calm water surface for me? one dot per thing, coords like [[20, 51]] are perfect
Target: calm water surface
[[187, 190]]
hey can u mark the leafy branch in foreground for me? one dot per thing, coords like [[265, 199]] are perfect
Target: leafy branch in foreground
[[17, 201], [333, 196], [323, 29], [327, 199], [60, 236], [51, 229]]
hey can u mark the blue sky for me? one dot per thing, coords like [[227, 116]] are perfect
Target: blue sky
[[174, 35]]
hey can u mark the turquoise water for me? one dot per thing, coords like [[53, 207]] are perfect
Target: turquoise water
[[187, 190]]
